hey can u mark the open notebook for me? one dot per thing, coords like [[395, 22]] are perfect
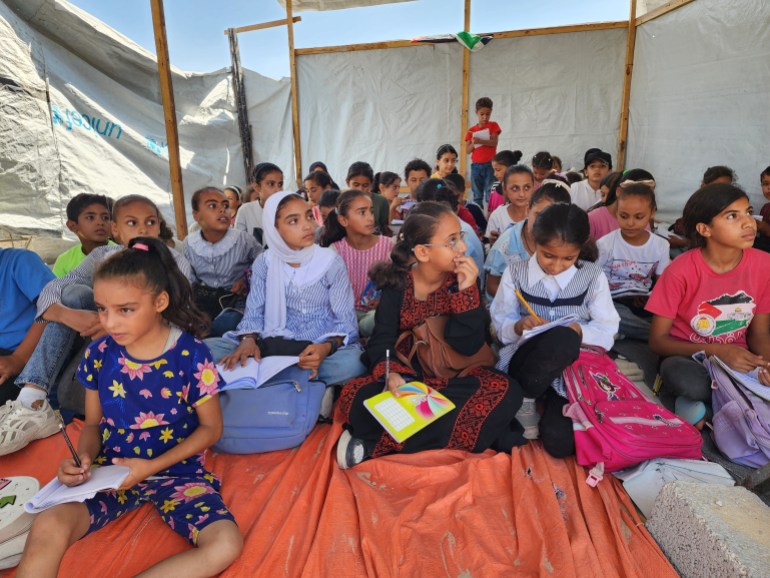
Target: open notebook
[[54, 492], [417, 406], [537, 330], [255, 373]]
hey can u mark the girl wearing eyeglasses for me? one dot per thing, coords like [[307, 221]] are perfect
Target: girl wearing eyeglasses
[[429, 274]]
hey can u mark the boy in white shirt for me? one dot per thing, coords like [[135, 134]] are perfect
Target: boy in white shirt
[[586, 193]]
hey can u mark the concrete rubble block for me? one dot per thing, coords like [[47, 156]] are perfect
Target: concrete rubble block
[[712, 531]]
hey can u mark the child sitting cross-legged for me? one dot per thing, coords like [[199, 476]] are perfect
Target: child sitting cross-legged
[[219, 256], [88, 216], [429, 275], [156, 419], [300, 302]]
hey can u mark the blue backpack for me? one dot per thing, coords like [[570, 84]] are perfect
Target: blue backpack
[[278, 415]]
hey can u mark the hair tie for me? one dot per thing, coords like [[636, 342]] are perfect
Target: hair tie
[[440, 185], [140, 247]]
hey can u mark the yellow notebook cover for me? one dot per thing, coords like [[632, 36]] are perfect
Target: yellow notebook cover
[[417, 406]]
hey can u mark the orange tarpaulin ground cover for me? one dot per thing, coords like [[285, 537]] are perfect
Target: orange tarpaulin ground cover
[[438, 513]]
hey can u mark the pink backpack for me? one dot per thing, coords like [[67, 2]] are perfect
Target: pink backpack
[[615, 425]]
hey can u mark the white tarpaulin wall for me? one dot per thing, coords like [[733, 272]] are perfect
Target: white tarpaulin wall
[[388, 106], [383, 106], [700, 96], [104, 131], [558, 92]]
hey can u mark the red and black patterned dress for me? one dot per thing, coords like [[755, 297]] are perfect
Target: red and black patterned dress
[[486, 400]]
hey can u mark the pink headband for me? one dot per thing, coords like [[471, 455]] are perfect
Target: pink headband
[[141, 247]]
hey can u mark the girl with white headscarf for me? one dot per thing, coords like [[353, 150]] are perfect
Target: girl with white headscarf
[[300, 292]]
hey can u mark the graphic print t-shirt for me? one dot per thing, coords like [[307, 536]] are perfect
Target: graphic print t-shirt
[[709, 307], [630, 268]]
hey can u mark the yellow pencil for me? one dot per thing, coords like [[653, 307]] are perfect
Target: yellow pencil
[[524, 302]]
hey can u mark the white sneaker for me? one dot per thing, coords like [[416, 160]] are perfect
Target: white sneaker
[[20, 426], [5, 409], [529, 419], [327, 403]]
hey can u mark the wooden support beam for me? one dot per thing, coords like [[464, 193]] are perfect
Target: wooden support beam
[[665, 9], [294, 95], [465, 97], [626, 100], [508, 34], [263, 25], [169, 115], [561, 29]]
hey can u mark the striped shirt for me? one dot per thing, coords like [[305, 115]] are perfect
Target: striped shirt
[[314, 312], [220, 264], [582, 291], [358, 263], [83, 274]]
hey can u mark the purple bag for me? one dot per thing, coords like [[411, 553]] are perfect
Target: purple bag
[[741, 419]]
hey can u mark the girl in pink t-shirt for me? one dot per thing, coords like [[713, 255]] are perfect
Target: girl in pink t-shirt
[[714, 298], [349, 230]]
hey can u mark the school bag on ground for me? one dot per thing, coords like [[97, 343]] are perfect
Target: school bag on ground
[[615, 425], [741, 419], [278, 415]]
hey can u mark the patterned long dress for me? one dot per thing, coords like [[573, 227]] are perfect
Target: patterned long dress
[[486, 400]]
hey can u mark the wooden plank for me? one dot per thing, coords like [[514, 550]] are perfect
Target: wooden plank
[[626, 100], [357, 47], [294, 95], [665, 9], [561, 29], [507, 34], [263, 25], [465, 97], [169, 116]]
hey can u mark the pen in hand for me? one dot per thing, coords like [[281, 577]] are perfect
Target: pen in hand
[[69, 444]]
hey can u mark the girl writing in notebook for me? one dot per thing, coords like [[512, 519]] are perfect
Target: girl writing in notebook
[[429, 275], [151, 406], [713, 298], [560, 279]]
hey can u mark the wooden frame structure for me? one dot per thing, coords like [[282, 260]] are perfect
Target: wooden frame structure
[[168, 97]]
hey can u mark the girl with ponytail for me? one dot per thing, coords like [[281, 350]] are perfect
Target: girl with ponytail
[[152, 407], [349, 230], [558, 280], [429, 275]]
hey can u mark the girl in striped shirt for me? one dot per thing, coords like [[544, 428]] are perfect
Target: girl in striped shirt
[[300, 300], [349, 230], [560, 279]]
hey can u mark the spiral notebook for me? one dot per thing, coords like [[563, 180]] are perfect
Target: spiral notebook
[[416, 407]]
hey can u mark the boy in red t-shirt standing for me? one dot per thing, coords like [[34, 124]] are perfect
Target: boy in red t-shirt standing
[[481, 144]]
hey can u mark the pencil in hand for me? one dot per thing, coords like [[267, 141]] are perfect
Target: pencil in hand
[[69, 444], [524, 302]]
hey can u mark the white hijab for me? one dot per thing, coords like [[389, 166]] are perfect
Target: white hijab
[[313, 264]]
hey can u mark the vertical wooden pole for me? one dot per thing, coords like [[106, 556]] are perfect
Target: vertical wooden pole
[[169, 115], [294, 94], [465, 95], [626, 101]]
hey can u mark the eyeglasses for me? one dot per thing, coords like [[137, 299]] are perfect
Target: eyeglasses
[[450, 244]]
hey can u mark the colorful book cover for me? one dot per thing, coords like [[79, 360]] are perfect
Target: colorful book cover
[[417, 406]]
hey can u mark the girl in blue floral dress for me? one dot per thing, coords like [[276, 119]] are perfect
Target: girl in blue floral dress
[[151, 389]]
